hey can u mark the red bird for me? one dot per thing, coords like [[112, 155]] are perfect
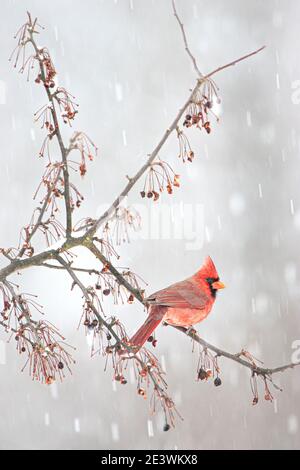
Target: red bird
[[182, 304]]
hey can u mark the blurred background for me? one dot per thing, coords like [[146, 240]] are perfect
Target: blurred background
[[125, 63]]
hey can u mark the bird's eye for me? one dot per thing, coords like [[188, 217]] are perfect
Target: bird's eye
[[211, 280]]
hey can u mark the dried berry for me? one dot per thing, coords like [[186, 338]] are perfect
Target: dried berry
[[49, 380], [143, 372], [176, 181], [190, 156], [217, 381], [202, 375], [206, 126], [130, 299], [156, 195]]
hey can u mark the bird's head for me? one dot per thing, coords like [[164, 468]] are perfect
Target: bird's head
[[208, 274]]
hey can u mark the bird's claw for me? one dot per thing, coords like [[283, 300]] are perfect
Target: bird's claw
[[191, 331]]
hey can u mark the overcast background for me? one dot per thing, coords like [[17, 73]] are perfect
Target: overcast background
[[125, 63]]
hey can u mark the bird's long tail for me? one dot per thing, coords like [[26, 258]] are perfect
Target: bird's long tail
[[144, 332]]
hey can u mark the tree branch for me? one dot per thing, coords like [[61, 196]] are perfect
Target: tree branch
[[57, 132], [132, 181], [236, 357], [181, 25]]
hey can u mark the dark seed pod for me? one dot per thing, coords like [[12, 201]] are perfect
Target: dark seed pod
[[106, 291], [166, 427], [143, 194], [60, 365], [23, 349], [150, 339], [202, 374], [156, 195], [108, 337], [217, 381], [130, 299]]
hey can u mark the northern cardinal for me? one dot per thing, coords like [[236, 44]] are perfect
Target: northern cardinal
[[182, 304]]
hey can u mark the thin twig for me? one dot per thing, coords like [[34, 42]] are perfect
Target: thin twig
[[62, 147], [185, 40], [132, 181], [234, 62], [82, 270], [235, 357]]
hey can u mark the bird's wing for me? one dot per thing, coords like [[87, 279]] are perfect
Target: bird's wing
[[184, 294]]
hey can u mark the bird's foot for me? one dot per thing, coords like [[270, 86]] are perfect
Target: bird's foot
[[191, 331]]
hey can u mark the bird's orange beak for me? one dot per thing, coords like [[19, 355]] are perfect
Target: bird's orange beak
[[218, 285]]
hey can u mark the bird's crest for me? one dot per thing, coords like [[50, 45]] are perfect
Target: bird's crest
[[208, 269]]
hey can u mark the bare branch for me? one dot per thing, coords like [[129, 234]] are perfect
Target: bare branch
[[186, 46], [236, 357], [63, 268], [57, 132], [132, 181], [234, 62]]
